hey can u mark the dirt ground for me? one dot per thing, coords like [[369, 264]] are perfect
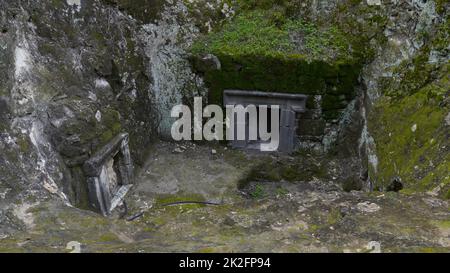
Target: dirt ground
[[209, 198]]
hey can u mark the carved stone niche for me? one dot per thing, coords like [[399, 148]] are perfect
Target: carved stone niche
[[290, 105], [109, 175]]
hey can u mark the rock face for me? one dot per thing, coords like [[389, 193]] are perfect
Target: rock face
[[403, 84], [77, 73], [165, 43], [74, 75], [407, 99]]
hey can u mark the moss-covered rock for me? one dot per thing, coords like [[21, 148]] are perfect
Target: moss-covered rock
[[258, 52], [409, 123], [411, 134]]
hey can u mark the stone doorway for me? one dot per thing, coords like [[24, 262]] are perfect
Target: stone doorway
[[290, 106], [109, 175]]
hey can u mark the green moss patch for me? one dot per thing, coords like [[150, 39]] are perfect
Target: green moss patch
[[268, 33], [262, 50], [412, 138]]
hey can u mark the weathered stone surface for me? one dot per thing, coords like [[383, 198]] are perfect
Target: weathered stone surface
[[77, 73], [311, 127], [207, 62], [311, 215], [61, 64]]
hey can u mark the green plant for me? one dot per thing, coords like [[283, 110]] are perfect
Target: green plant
[[281, 191], [269, 33], [258, 192]]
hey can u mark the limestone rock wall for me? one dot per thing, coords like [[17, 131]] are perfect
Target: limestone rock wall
[[166, 44], [407, 99], [74, 75]]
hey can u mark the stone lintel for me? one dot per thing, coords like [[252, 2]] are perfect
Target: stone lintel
[[294, 102], [92, 167]]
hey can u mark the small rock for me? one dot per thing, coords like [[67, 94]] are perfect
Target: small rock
[[435, 202], [435, 192], [92, 96], [344, 211], [229, 222], [368, 207], [75, 3], [374, 2], [213, 152], [414, 128], [177, 150], [4, 193], [98, 116], [207, 63]]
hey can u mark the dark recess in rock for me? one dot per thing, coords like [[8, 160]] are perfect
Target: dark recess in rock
[[395, 186]]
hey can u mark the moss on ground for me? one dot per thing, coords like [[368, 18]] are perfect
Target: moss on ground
[[300, 169]]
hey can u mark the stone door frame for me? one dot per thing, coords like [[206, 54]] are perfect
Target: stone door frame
[[100, 196], [290, 105]]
